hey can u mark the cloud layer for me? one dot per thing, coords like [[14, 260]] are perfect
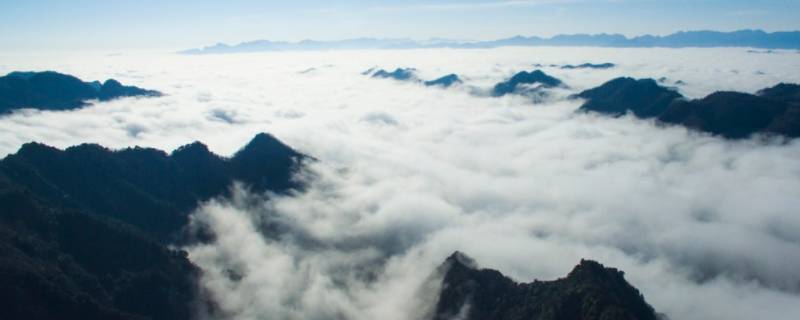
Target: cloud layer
[[705, 228]]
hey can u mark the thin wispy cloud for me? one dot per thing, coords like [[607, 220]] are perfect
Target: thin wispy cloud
[[749, 13], [470, 5]]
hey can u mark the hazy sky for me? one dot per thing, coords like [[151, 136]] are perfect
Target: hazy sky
[[127, 24]]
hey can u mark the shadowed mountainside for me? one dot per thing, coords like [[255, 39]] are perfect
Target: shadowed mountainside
[[64, 264], [734, 115], [589, 292], [83, 230], [144, 187], [50, 90]]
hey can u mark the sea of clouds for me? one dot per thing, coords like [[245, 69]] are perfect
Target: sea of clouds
[[705, 228]]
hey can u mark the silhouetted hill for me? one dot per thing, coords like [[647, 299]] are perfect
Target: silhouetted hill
[[732, 115], [683, 39], [590, 291], [50, 90], [445, 81], [536, 79], [145, 187]]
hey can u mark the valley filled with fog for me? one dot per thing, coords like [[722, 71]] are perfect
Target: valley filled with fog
[[407, 174]]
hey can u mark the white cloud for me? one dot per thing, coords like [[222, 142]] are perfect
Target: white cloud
[[706, 228]]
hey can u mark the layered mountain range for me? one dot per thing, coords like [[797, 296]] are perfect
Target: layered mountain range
[[84, 232]]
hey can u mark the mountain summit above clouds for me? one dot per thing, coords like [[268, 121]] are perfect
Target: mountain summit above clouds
[[526, 82], [735, 115], [50, 90], [590, 291], [147, 188]]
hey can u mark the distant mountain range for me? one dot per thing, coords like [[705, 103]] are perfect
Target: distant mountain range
[[49, 90], [741, 38]]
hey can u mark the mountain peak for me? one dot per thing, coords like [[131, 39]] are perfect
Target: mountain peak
[[112, 89], [194, 148], [397, 74], [35, 148], [264, 148], [590, 269], [788, 92], [266, 163], [516, 82], [262, 141], [461, 259], [112, 83], [590, 291], [643, 97], [445, 81]]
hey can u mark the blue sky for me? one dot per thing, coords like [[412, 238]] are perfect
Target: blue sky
[[131, 24]]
